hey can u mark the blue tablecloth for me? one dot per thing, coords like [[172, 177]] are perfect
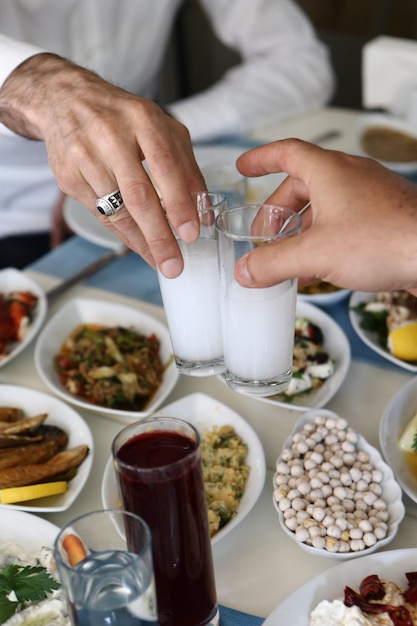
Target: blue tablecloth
[[131, 276]]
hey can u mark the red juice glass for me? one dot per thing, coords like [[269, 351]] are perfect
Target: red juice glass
[[160, 477]]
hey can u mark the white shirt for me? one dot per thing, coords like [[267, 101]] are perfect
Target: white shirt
[[285, 71]]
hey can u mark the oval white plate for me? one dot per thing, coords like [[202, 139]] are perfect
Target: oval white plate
[[28, 531], [337, 346], [396, 416], [204, 413], [369, 120], [85, 311], [12, 279], [33, 402], [391, 493], [329, 585], [369, 338], [84, 224]]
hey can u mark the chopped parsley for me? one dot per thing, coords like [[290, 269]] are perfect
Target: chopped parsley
[[414, 444], [23, 585]]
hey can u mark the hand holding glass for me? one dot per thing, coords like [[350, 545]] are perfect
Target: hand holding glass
[[258, 323], [192, 300], [105, 564]]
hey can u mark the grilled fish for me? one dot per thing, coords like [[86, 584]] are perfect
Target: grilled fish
[[31, 474]]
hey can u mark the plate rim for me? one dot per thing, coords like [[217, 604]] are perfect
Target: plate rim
[[342, 574], [101, 237], [80, 303], [407, 391], [354, 320], [200, 397], [68, 498], [13, 274], [27, 521], [311, 310]]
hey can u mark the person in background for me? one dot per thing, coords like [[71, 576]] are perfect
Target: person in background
[[360, 232], [81, 77]]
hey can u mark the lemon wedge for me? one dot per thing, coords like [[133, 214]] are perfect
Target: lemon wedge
[[32, 492], [402, 342], [407, 436]]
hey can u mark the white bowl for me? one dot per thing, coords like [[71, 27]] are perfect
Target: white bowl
[[396, 416], [34, 402], [324, 299], [205, 413], [12, 279], [369, 338], [371, 120], [391, 493], [337, 345], [85, 311]]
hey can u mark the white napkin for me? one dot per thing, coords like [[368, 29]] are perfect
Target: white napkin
[[389, 76]]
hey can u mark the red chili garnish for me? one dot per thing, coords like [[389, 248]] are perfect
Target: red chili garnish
[[411, 593], [372, 588], [399, 615]]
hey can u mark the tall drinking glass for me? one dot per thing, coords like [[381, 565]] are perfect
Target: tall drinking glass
[[192, 300], [160, 477], [258, 323], [104, 560]]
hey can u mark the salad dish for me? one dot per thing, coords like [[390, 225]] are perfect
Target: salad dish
[[111, 386], [387, 323], [208, 415], [322, 293]]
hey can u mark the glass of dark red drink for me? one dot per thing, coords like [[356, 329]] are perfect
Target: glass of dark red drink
[[160, 477]]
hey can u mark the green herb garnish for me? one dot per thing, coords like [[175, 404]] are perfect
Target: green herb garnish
[[373, 322], [22, 585], [414, 444]]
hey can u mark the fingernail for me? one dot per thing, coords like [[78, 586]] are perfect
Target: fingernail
[[188, 232], [243, 272], [171, 268]]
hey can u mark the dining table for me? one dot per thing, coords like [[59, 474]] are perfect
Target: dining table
[[256, 565]]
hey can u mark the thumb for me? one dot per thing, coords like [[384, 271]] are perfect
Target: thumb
[[279, 261]]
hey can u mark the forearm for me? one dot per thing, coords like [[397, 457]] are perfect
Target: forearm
[[27, 95]]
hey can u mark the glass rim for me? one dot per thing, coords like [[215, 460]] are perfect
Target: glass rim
[[240, 237], [158, 420], [119, 512]]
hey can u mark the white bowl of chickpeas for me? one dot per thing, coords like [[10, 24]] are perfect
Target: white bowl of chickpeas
[[333, 493]]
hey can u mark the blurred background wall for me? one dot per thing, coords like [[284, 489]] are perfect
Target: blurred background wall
[[344, 25]]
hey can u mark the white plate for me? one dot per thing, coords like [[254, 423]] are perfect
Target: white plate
[[12, 279], [330, 584], [369, 338], [85, 311], [391, 493], [369, 120], [204, 413], [258, 188], [84, 224], [397, 414], [33, 402], [337, 346], [28, 531]]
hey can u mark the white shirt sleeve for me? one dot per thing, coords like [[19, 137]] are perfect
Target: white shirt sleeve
[[285, 69], [12, 54]]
